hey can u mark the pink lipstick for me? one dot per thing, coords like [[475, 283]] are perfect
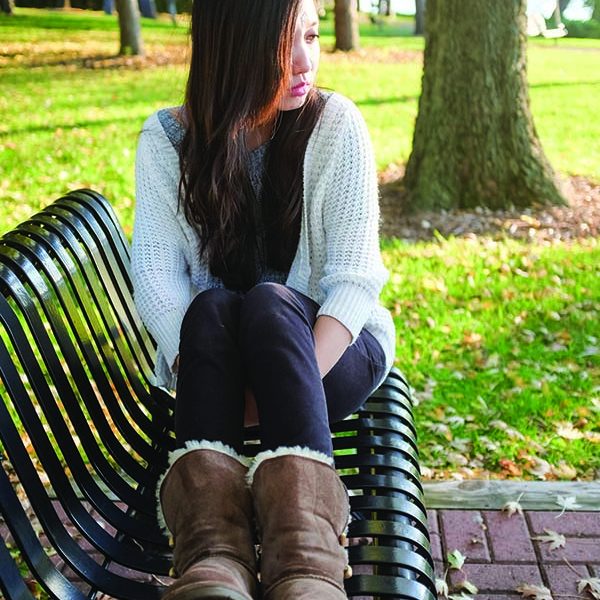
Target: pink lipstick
[[300, 90]]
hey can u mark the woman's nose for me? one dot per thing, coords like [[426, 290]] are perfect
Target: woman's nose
[[301, 62]]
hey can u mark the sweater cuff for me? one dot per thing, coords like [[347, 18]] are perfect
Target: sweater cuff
[[166, 333], [350, 304]]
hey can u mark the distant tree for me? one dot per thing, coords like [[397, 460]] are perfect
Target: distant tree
[[346, 25], [6, 6], [419, 17], [563, 5], [384, 7], [147, 8], [129, 27], [475, 143], [595, 6]]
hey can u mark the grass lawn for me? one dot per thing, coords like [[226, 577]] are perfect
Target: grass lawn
[[500, 339]]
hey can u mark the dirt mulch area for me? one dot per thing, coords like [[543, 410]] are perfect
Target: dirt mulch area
[[372, 55], [542, 224], [73, 56]]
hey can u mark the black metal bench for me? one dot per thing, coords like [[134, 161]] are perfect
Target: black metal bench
[[84, 435]]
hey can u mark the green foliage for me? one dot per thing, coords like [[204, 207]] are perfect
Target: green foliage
[[583, 29], [501, 341]]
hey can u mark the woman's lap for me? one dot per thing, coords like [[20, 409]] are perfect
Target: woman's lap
[[274, 315]]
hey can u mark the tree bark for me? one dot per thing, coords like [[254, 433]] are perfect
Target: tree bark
[[385, 7], [475, 143], [419, 17], [563, 4], [6, 6], [147, 8], [129, 27], [346, 25]]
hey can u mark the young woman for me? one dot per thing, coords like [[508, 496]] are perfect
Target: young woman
[[257, 270]]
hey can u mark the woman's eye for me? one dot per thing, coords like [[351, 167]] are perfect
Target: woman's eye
[[311, 37]]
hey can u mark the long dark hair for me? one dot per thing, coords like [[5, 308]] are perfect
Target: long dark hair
[[240, 68]]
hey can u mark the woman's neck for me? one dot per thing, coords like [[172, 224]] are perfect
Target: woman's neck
[[259, 135]]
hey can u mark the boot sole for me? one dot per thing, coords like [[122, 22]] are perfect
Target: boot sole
[[213, 592]]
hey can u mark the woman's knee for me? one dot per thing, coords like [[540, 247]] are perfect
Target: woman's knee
[[271, 305], [211, 309]]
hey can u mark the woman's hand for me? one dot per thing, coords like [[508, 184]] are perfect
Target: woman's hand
[[331, 340]]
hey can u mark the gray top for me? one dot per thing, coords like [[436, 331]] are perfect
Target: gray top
[[256, 169]]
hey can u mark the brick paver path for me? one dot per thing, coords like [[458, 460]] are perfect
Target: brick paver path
[[501, 554]]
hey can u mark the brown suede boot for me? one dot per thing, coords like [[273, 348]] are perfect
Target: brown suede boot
[[302, 510], [207, 508]]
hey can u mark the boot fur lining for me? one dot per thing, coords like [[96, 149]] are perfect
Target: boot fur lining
[[287, 451], [175, 455]]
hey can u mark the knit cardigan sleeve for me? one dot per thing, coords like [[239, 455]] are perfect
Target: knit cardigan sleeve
[[159, 269], [354, 273]]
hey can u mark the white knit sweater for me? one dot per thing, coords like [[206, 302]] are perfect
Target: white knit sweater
[[338, 262]]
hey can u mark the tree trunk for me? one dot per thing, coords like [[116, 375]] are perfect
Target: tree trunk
[[6, 6], [385, 7], [563, 4], [346, 25], [147, 8], [129, 26], [419, 17], [475, 143], [557, 15]]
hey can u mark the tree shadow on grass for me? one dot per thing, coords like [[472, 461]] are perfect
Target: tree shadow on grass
[[167, 56], [54, 126], [380, 101]]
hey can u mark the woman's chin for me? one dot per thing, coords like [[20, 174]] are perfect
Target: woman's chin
[[292, 102]]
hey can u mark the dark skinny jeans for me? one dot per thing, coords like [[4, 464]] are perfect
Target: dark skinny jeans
[[263, 339]]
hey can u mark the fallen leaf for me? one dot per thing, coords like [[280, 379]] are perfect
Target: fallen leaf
[[567, 503], [540, 468], [538, 592], [441, 587], [468, 586], [510, 467], [511, 432], [461, 596], [456, 559], [479, 520], [556, 540], [564, 471], [592, 584], [590, 351], [455, 458], [568, 432], [472, 339], [439, 428], [513, 506]]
